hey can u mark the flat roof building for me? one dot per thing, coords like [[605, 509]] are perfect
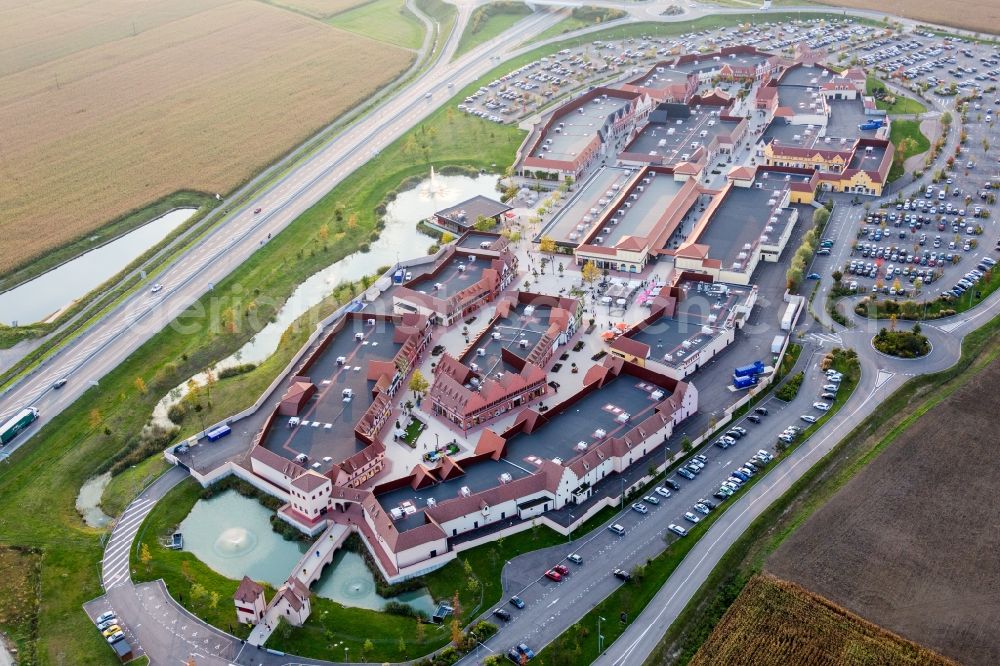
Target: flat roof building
[[463, 216], [578, 134], [689, 323]]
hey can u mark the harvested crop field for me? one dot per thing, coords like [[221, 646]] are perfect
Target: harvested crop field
[[95, 122], [910, 543], [976, 15], [777, 622], [320, 8]]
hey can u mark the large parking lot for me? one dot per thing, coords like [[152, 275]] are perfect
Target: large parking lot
[[531, 87]]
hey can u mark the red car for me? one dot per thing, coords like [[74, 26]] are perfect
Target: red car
[[562, 569], [553, 575], [257, 210]]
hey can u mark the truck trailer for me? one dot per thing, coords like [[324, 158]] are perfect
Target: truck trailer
[[755, 368], [17, 423], [745, 381]]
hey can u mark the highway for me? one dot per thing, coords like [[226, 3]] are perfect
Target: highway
[[99, 349]]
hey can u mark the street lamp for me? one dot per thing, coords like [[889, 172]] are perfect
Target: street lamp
[[600, 636], [569, 535]]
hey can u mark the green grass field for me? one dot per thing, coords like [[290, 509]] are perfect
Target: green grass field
[[488, 21], [581, 17], [385, 20], [901, 130], [902, 104]]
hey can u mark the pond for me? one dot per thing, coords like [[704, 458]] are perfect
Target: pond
[[232, 535], [39, 299], [88, 501]]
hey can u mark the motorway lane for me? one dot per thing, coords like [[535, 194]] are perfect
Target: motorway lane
[[102, 347]]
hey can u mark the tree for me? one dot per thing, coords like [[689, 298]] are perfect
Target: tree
[[820, 217], [198, 592], [145, 556], [837, 276], [420, 631], [590, 272], [686, 444], [456, 631], [418, 384], [547, 244], [213, 599], [367, 648], [484, 223], [446, 237], [401, 645], [140, 386]]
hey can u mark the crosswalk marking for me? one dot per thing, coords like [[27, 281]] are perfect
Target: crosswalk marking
[[823, 338]]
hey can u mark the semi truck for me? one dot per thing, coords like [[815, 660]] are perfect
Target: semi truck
[[14, 425], [755, 368]]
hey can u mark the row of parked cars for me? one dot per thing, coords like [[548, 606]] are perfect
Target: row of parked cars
[[107, 624], [972, 278]]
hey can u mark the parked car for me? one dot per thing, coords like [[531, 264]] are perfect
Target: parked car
[[104, 617], [808, 418], [640, 507], [617, 529], [673, 485], [115, 637], [761, 410], [502, 614], [650, 499], [113, 629], [553, 575], [662, 492], [677, 529], [753, 418], [822, 406], [621, 574], [691, 518], [575, 558], [685, 473], [517, 602], [101, 626], [525, 650], [562, 569], [701, 508]]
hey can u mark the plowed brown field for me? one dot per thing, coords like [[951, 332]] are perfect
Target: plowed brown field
[[911, 542], [976, 15]]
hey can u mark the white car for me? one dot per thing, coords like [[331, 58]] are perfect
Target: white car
[[651, 500], [822, 406], [691, 518], [808, 418], [640, 507], [662, 492], [677, 529], [156, 287]]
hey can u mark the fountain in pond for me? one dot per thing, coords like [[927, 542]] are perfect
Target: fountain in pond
[[235, 542], [433, 189]]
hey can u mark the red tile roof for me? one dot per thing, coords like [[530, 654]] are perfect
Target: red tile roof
[[631, 347], [310, 481], [248, 591]]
